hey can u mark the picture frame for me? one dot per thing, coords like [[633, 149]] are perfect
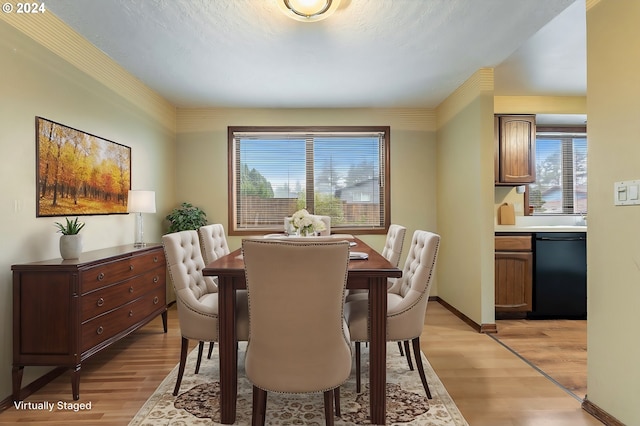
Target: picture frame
[[78, 173]]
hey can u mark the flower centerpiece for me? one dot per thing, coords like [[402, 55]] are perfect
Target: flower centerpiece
[[306, 224]]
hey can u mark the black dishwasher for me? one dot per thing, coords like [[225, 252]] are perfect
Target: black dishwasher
[[560, 275]]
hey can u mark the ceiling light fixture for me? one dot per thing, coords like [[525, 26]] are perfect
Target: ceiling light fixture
[[308, 10]]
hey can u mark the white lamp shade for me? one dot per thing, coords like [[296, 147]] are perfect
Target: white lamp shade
[[141, 202]]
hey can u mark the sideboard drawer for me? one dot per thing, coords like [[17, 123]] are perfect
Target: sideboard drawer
[[122, 269], [103, 327], [108, 298]]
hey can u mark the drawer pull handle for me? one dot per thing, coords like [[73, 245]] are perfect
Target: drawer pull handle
[[131, 267], [130, 313], [155, 259], [155, 300], [100, 302], [130, 289], [100, 330], [101, 276], [156, 279]]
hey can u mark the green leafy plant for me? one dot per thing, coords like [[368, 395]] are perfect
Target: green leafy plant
[[186, 217], [72, 227]]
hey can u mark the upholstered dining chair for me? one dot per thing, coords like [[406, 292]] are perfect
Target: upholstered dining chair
[[213, 244], [196, 296], [298, 339], [406, 303], [391, 251]]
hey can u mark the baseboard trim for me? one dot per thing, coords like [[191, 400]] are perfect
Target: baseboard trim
[[480, 328], [600, 414], [33, 387]]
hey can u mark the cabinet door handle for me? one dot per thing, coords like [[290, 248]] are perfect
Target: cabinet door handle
[[156, 279], [131, 289], [155, 259], [131, 267], [100, 302], [100, 330], [101, 276], [155, 300], [130, 313]]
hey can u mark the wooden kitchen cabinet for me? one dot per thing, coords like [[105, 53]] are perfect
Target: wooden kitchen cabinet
[[513, 274], [65, 311], [515, 138]]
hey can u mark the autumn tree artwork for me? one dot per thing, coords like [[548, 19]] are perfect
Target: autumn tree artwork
[[79, 173]]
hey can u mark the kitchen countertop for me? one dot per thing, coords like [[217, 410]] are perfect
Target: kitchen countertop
[[540, 228]]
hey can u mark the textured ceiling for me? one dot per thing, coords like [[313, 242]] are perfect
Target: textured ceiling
[[370, 53]]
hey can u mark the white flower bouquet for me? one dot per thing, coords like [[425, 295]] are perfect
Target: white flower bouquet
[[306, 224]]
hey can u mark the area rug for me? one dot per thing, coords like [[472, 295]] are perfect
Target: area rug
[[198, 402]]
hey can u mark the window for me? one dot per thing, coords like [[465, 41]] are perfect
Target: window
[[342, 172], [561, 172]]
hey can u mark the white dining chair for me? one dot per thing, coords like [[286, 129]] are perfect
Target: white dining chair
[[406, 303]]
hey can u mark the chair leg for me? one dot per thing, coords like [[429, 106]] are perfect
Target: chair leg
[[400, 348], [200, 349], [357, 367], [210, 349], [418, 356], [258, 414], [328, 407], [183, 360], [336, 397], [408, 354]]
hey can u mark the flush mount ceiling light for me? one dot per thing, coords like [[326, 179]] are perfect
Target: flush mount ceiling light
[[308, 10]]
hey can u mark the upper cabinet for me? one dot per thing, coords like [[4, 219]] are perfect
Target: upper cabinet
[[515, 137]]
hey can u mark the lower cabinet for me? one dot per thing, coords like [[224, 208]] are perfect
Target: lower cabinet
[[513, 273], [65, 311]]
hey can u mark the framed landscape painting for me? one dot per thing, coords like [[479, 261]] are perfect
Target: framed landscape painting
[[79, 173]]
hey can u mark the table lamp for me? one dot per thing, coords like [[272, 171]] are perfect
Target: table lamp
[[141, 202]]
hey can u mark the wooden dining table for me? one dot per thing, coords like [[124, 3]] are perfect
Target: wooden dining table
[[370, 274]]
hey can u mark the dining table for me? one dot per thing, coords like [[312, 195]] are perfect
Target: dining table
[[368, 270]]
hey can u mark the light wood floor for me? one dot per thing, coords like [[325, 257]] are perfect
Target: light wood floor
[[557, 347], [490, 385]]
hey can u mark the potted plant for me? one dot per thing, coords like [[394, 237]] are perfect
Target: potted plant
[[71, 240], [186, 217]]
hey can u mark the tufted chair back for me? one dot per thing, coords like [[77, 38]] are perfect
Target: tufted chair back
[[408, 297], [393, 245], [213, 242], [194, 292], [298, 340]]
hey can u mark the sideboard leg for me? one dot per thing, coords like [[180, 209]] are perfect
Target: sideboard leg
[[16, 375], [164, 320], [75, 382]]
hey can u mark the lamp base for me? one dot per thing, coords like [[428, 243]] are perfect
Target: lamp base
[[139, 245]]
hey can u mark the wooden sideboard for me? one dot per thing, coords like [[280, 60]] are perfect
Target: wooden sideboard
[[65, 311]]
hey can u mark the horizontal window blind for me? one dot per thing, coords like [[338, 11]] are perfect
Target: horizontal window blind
[[337, 173], [561, 174]]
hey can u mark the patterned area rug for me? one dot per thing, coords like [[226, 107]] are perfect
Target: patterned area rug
[[198, 402]]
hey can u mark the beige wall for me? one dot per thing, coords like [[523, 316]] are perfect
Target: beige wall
[[465, 198], [202, 158], [613, 248], [35, 82]]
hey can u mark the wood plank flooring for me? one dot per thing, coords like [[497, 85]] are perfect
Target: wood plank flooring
[[557, 347], [490, 385]]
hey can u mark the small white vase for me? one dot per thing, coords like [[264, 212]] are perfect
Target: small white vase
[[70, 246]]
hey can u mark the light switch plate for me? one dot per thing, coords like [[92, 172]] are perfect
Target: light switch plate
[[625, 193]]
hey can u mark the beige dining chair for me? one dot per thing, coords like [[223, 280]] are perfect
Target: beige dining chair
[[213, 244], [298, 339], [391, 251], [196, 297], [406, 303]]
